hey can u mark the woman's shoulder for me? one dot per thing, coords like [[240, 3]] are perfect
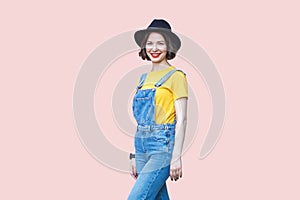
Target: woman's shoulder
[[179, 72]]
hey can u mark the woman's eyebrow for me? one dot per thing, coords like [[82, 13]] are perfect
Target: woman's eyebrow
[[155, 41], [160, 41]]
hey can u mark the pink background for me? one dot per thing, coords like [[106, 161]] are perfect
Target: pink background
[[254, 44]]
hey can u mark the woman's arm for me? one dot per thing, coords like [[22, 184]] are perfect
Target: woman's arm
[[181, 118]]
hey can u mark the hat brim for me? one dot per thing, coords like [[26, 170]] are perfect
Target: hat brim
[[140, 35]]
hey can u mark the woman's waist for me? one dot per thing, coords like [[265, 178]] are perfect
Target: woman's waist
[[153, 127]]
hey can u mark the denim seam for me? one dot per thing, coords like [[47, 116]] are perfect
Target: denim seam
[[154, 177]]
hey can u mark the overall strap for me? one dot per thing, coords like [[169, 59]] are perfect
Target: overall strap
[[142, 80], [165, 77]]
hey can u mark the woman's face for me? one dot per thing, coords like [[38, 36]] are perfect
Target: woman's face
[[156, 47]]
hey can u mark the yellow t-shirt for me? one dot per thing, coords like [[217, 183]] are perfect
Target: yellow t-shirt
[[174, 88]]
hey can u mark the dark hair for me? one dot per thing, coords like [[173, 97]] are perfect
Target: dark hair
[[171, 53]]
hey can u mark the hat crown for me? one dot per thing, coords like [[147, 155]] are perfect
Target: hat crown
[[159, 23]]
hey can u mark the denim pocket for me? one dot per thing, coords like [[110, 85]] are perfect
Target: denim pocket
[[143, 106], [143, 98], [162, 139], [161, 136]]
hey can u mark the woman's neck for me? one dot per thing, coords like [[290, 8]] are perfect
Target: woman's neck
[[160, 66]]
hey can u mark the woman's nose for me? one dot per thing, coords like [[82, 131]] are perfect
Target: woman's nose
[[154, 47]]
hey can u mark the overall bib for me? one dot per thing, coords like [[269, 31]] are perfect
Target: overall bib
[[153, 145]]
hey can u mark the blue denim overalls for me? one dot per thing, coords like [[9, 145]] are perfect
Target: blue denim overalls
[[153, 145]]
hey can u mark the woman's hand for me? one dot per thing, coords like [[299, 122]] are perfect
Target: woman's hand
[[176, 169], [133, 171]]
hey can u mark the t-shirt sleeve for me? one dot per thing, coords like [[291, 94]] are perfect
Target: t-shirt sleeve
[[179, 85]]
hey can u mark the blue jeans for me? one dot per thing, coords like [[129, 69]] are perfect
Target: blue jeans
[[153, 153]]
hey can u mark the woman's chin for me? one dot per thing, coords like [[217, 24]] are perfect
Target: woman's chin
[[156, 60]]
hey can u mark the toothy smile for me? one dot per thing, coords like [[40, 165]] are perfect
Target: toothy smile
[[155, 55]]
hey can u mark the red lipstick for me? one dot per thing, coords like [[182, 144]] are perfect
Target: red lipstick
[[155, 55]]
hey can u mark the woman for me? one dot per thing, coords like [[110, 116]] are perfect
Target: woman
[[159, 107]]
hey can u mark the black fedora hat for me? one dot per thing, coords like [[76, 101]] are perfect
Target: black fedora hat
[[160, 26]]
